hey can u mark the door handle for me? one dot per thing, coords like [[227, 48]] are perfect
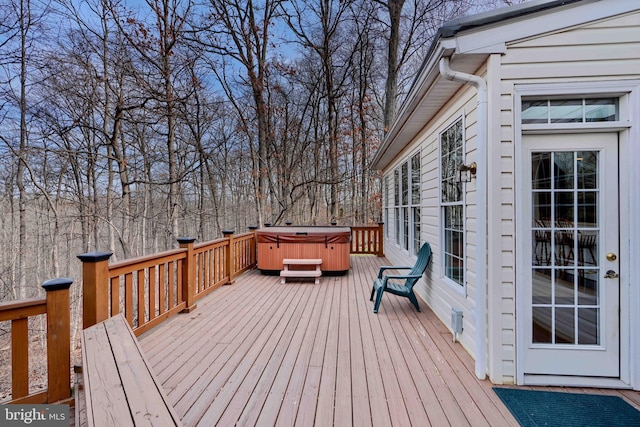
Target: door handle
[[610, 274]]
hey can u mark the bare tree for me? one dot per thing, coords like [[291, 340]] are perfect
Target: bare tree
[[408, 29], [20, 28], [158, 45], [319, 27], [241, 30]]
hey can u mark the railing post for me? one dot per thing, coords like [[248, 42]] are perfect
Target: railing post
[[95, 287], [381, 239], [58, 339], [254, 247], [20, 357], [230, 255], [188, 274]]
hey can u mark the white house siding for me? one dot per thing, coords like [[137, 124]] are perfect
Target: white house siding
[[601, 51], [439, 295], [604, 50]]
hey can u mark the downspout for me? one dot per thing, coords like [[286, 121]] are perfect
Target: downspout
[[480, 315]]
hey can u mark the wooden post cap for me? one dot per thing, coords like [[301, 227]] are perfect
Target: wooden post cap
[[186, 240], [227, 232], [95, 256], [57, 284]]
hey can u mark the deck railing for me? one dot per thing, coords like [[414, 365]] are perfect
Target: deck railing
[[368, 239], [147, 290], [55, 306]]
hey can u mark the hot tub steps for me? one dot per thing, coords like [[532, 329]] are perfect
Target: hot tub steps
[[288, 272]]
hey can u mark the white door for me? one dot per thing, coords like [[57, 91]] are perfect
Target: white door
[[571, 295]]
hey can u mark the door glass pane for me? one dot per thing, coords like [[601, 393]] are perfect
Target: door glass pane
[[564, 248], [541, 207], [563, 170], [563, 208], [588, 287], [541, 293], [587, 163], [565, 233], [563, 289], [587, 209], [588, 326], [541, 247], [541, 325], [565, 325], [541, 171]]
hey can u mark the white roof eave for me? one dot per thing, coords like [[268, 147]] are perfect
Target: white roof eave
[[429, 93], [467, 50]]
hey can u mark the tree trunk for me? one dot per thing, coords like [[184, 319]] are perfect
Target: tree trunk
[[22, 154], [391, 87]]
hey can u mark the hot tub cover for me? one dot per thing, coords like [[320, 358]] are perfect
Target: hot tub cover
[[304, 235]]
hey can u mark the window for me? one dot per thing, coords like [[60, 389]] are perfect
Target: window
[[387, 204], [404, 184], [452, 202], [415, 201], [396, 198], [580, 110], [407, 204]]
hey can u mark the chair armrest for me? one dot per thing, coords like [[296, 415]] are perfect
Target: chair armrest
[[403, 276], [392, 267], [399, 277]]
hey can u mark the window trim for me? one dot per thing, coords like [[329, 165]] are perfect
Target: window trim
[[604, 89], [553, 119]]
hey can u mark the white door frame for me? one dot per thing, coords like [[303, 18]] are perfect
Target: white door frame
[[628, 128], [601, 358]]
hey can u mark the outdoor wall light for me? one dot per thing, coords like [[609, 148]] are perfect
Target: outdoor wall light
[[465, 172]]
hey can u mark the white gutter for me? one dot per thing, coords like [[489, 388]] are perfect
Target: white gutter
[[481, 182]]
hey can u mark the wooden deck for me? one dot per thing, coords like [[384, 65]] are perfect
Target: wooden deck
[[261, 353]]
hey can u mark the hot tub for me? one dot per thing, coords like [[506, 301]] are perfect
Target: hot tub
[[331, 244]]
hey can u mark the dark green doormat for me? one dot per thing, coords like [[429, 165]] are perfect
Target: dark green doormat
[[548, 408]]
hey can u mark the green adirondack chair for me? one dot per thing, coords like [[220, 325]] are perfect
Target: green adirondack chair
[[401, 285]]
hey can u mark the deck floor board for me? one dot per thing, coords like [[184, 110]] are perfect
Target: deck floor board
[[259, 352]]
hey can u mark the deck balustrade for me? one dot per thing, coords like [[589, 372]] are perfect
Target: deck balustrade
[[55, 306], [367, 240], [147, 290]]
